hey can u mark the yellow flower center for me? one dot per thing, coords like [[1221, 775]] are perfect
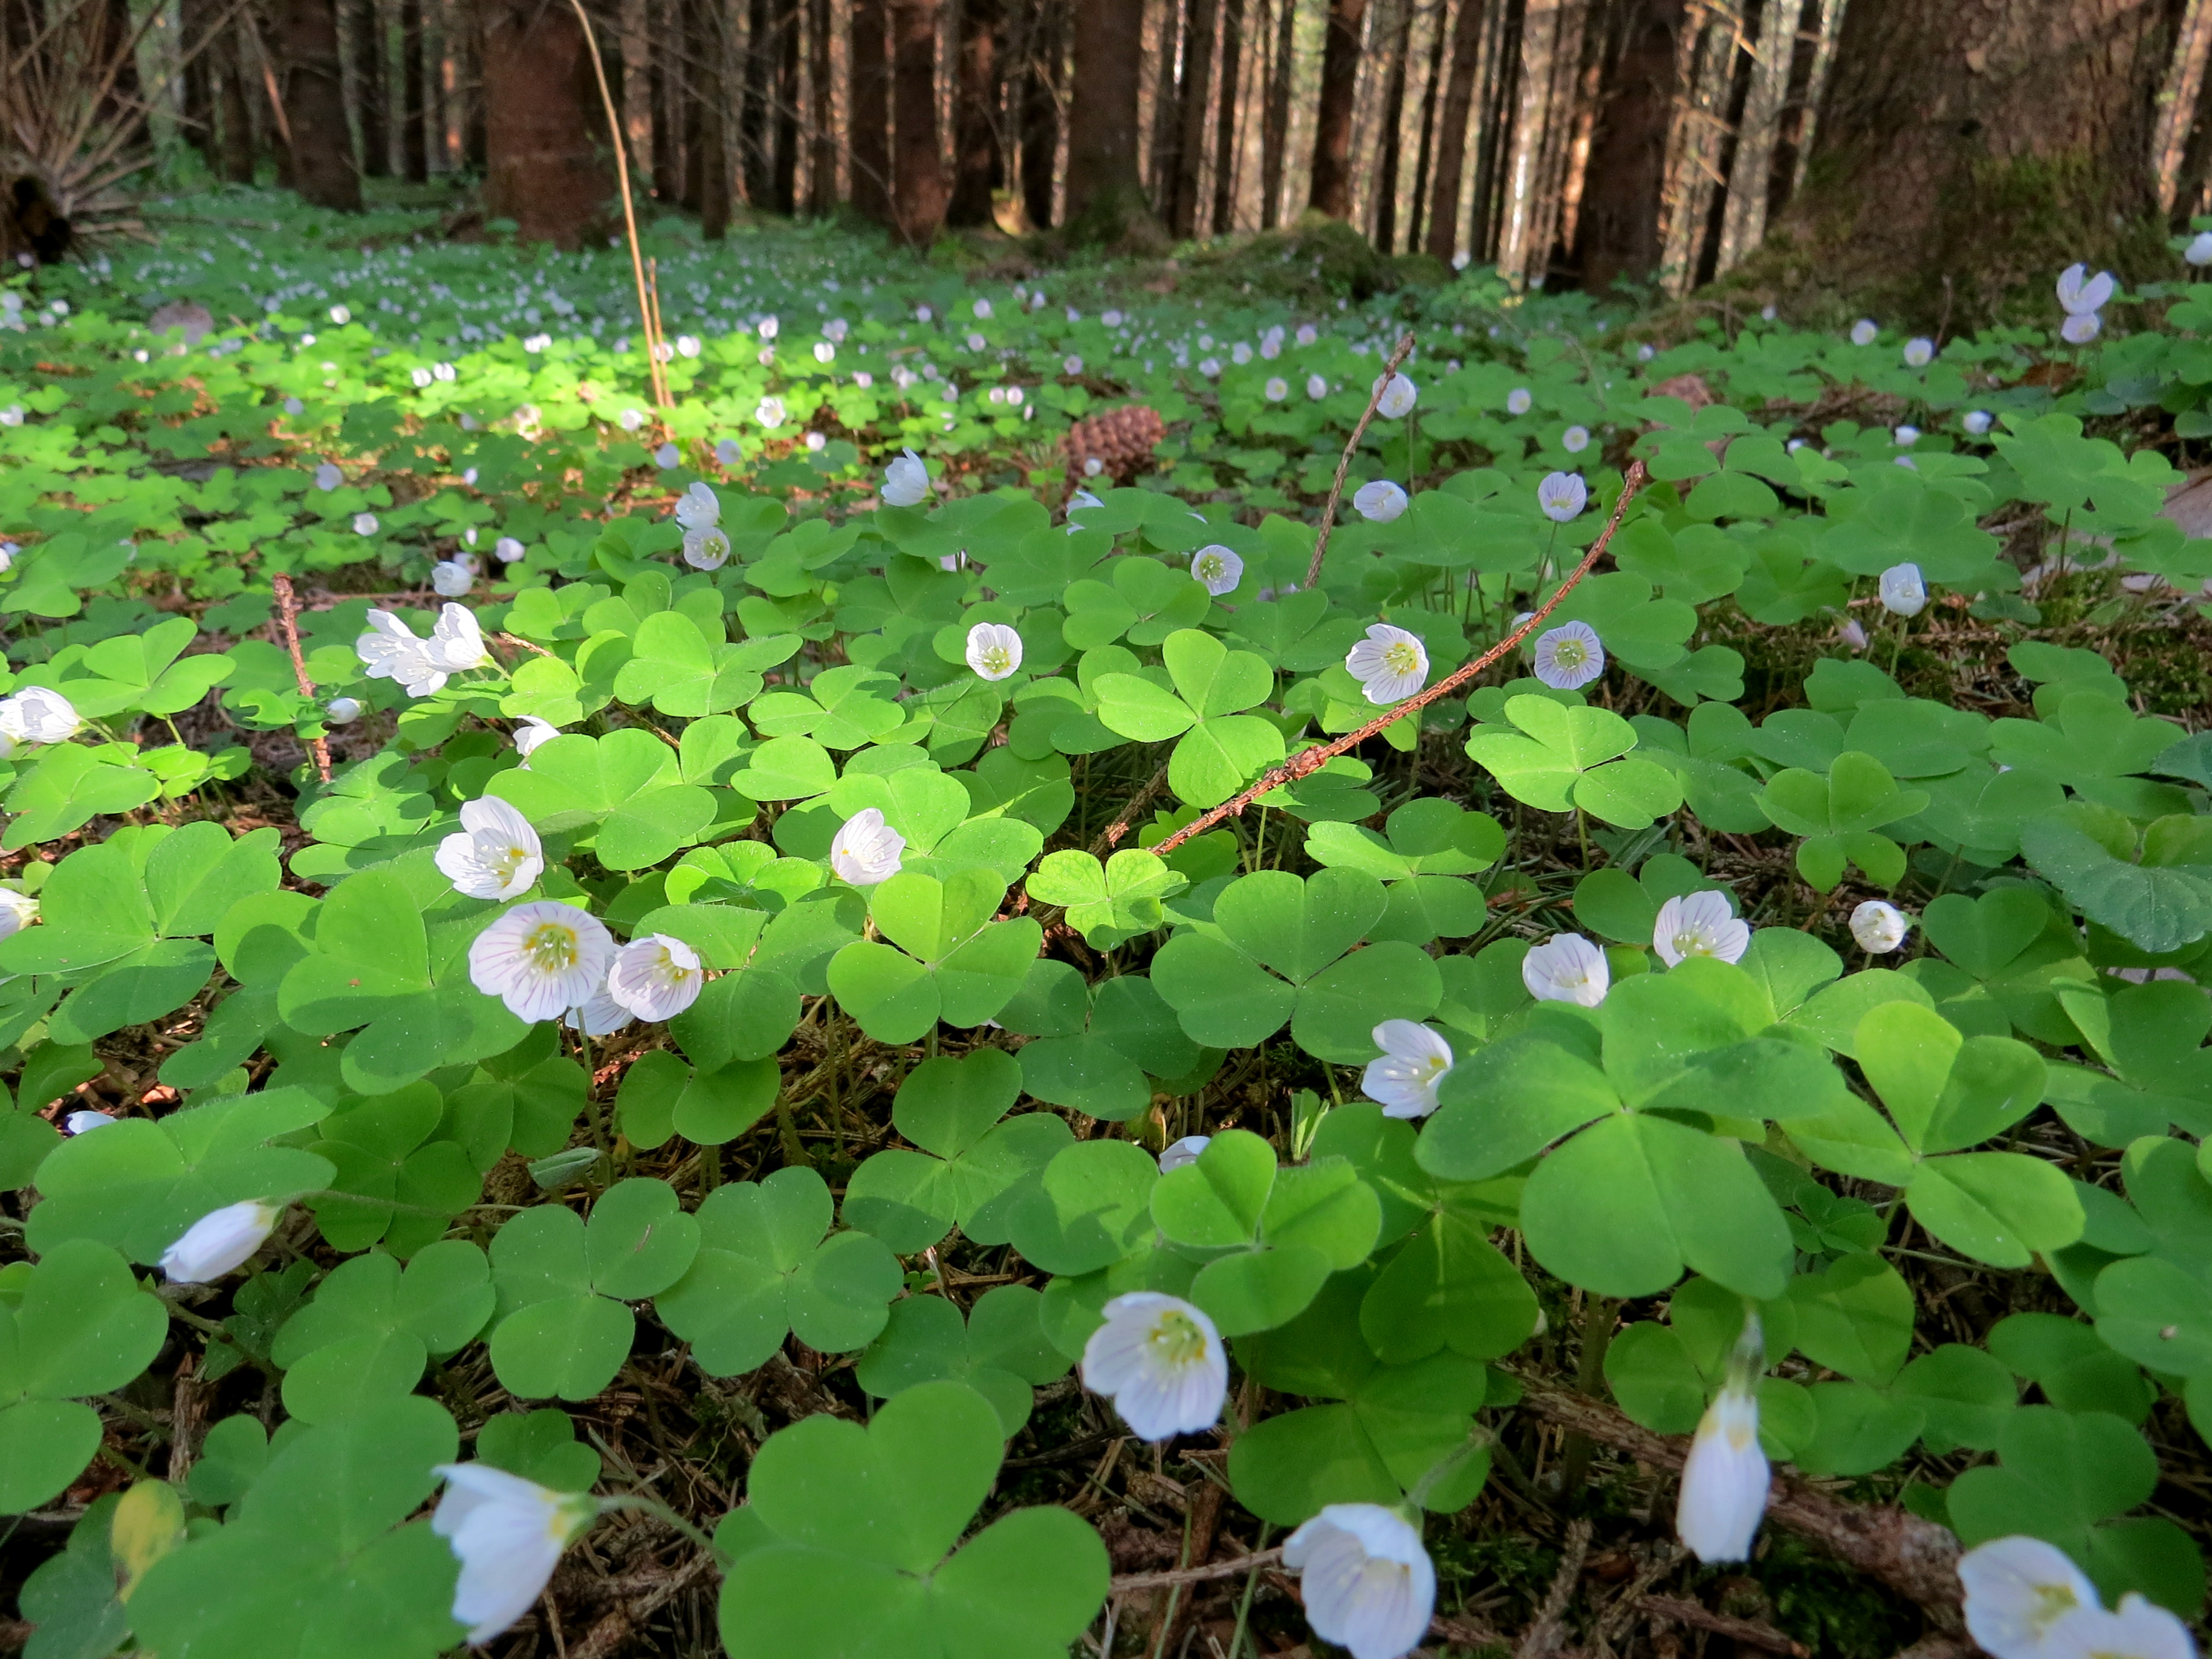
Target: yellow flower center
[[1570, 653], [1210, 568], [552, 947], [1176, 1339], [1689, 944], [1402, 657], [997, 660]]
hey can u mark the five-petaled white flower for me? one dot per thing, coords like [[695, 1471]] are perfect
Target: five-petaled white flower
[[1276, 389], [37, 714], [341, 711], [1569, 657], [866, 849], [1878, 927], [698, 508], [994, 650], [707, 547], [598, 1016], [84, 1122], [530, 732], [906, 481], [391, 651], [1699, 925], [1575, 440], [1919, 352], [1520, 400], [1567, 968], [656, 977], [1414, 1062], [2080, 294], [494, 855], [1368, 1584], [1725, 1479], [2199, 251], [219, 1241], [1378, 501], [450, 578], [1317, 387], [329, 476], [17, 912], [1562, 496], [2082, 329], [1977, 423], [1161, 1361], [1397, 398], [1185, 1151], [508, 1534], [1219, 568], [1864, 330], [542, 958], [1389, 664], [2018, 1590], [364, 524], [1902, 590], [2138, 1630]]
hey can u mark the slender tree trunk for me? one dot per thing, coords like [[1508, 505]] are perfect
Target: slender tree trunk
[[871, 110], [755, 126], [1427, 151], [1167, 108], [787, 108], [1224, 127], [438, 69], [1963, 153], [695, 19], [413, 154], [978, 166], [918, 164], [125, 102], [1494, 155], [195, 103], [1740, 73], [664, 98], [1789, 125], [372, 102], [1104, 191], [545, 164], [1275, 121], [315, 104], [233, 103], [712, 154], [1394, 122], [1041, 112], [1331, 192], [1181, 209], [822, 125], [472, 90], [1451, 133], [1618, 232]]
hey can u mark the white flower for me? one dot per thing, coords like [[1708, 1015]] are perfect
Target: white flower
[[866, 849], [1378, 501], [1699, 925], [1276, 389], [1092, 466], [1520, 400], [494, 855], [1851, 634], [1569, 657], [707, 548], [341, 711], [825, 352], [666, 456], [983, 310], [1864, 332], [1562, 496], [1977, 420], [1210, 367], [1414, 1062], [1161, 1361], [83, 1123], [2080, 294], [2139, 1630], [1879, 927], [906, 481], [12, 416], [532, 731], [1185, 1151], [341, 316], [727, 452], [1307, 334], [329, 476], [1368, 1584], [1082, 501], [37, 715], [450, 578], [1071, 364], [687, 345], [2199, 251], [541, 958], [1567, 968], [770, 413], [1905, 436], [508, 1534], [17, 912], [1919, 352], [767, 328], [630, 419], [508, 550], [1902, 590], [1219, 568], [2018, 1590], [837, 328], [1725, 1480], [1389, 664], [1397, 399], [601, 1016], [1575, 440], [219, 1241], [994, 650], [2082, 329], [656, 977], [1317, 387], [1644, 353], [390, 651], [364, 524]]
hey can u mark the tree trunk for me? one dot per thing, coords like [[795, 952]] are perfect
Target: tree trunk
[[1224, 128], [232, 103], [1965, 152], [545, 163], [1791, 122], [470, 55], [1181, 209], [1494, 156], [315, 104], [1167, 108], [664, 98], [1451, 133], [1617, 235], [1275, 122], [710, 155], [1041, 113], [1740, 73], [414, 154], [1427, 153], [1394, 122], [787, 108], [1105, 195], [754, 129], [871, 110], [978, 167], [918, 195], [1331, 192], [196, 24], [822, 126], [372, 103], [695, 18]]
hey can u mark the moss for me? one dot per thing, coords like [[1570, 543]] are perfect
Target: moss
[[1316, 258]]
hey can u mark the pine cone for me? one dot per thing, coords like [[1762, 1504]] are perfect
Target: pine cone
[[1120, 441]]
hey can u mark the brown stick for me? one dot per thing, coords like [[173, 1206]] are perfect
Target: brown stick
[[1344, 461], [647, 321], [1764, 1637], [1543, 1637], [1127, 1583], [607, 1636], [1309, 761], [287, 618]]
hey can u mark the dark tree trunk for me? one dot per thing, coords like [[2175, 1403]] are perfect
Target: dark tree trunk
[[414, 150], [710, 154], [1428, 131], [125, 103], [918, 163], [1451, 134], [1745, 60], [1494, 155], [664, 98], [1225, 120], [1104, 191], [870, 107], [1394, 122], [1617, 234], [694, 18], [787, 108], [755, 124], [978, 166], [436, 61], [1275, 121], [314, 91], [1041, 113], [470, 57], [233, 105], [545, 145], [1167, 108], [1790, 120], [196, 23], [372, 103], [1181, 208], [1331, 192], [821, 129]]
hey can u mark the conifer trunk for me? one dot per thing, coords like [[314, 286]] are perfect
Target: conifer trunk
[[979, 168], [1104, 191], [314, 91], [919, 190], [1331, 192], [545, 165], [869, 104]]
